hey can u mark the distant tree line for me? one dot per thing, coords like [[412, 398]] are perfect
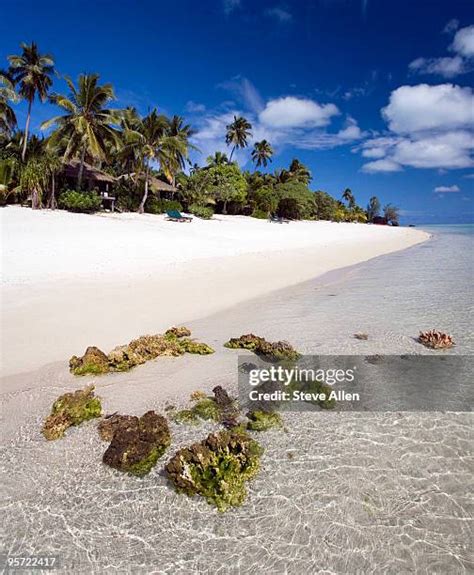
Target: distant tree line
[[124, 142]]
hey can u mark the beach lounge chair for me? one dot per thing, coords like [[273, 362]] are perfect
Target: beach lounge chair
[[177, 216], [278, 220]]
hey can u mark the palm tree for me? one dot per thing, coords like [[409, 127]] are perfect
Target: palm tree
[[32, 73], [348, 196], [87, 126], [7, 94], [237, 133], [179, 157], [218, 159], [262, 153], [299, 172], [153, 143]]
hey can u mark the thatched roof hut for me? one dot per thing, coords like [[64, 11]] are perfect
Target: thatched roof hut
[[89, 174], [154, 184]]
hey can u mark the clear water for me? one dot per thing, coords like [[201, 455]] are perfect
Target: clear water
[[345, 493]]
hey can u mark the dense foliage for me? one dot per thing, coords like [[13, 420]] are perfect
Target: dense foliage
[[142, 151]]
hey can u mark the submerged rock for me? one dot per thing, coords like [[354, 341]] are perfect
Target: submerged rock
[[221, 408], [138, 443], [274, 351], [264, 420], [185, 416], [112, 423], [197, 347], [71, 409], [217, 468], [94, 362]]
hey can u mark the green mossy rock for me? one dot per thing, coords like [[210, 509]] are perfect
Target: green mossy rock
[[138, 443], [197, 347], [71, 409], [207, 409], [186, 417], [93, 362], [178, 332], [216, 468], [273, 351], [264, 420]]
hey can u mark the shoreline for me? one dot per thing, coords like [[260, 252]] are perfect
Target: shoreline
[[121, 307]]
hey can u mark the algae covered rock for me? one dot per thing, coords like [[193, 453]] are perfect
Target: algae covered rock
[[185, 416], [93, 362], [112, 423], [178, 332], [217, 468], [273, 351], [138, 443], [197, 347], [71, 409], [123, 357], [263, 420], [221, 409], [436, 339]]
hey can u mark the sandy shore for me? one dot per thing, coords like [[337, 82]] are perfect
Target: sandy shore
[[71, 280]]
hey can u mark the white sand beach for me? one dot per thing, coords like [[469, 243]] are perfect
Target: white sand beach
[[72, 280]]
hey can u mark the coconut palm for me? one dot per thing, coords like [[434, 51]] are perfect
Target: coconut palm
[[153, 143], [262, 153], [87, 127], [7, 95], [299, 172], [178, 158], [348, 196], [218, 159], [237, 133], [32, 72]]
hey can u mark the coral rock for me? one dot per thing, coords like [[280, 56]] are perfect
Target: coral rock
[[138, 443], [216, 468], [361, 336], [264, 420], [178, 332], [436, 339], [94, 362], [273, 351], [71, 409], [112, 423]]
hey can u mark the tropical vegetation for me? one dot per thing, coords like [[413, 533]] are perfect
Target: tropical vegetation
[[147, 157]]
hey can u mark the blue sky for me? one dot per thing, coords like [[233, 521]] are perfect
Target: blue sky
[[374, 95]]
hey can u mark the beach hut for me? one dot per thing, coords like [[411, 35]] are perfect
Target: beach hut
[[92, 178], [155, 185]]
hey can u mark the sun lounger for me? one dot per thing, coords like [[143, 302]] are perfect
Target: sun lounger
[[278, 220], [177, 216]]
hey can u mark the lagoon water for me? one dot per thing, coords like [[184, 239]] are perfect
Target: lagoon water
[[338, 492]]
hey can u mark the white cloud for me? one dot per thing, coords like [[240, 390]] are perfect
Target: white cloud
[[245, 91], [449, 150], [451, 26], [194, 107], [279, 13], [463, 42], [292, 112], [424, 107], [446, 189], [384, 165], [447, 67]]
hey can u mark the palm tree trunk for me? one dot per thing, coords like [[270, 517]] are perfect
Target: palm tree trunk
[[81, 168], [34, 199], [231, 154], [54, 204], [27, 129], [141, 208], [224, 207]]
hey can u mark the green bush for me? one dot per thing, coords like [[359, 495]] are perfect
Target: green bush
[[158, 206], [85, 202], [203, 212], [260, 214]]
